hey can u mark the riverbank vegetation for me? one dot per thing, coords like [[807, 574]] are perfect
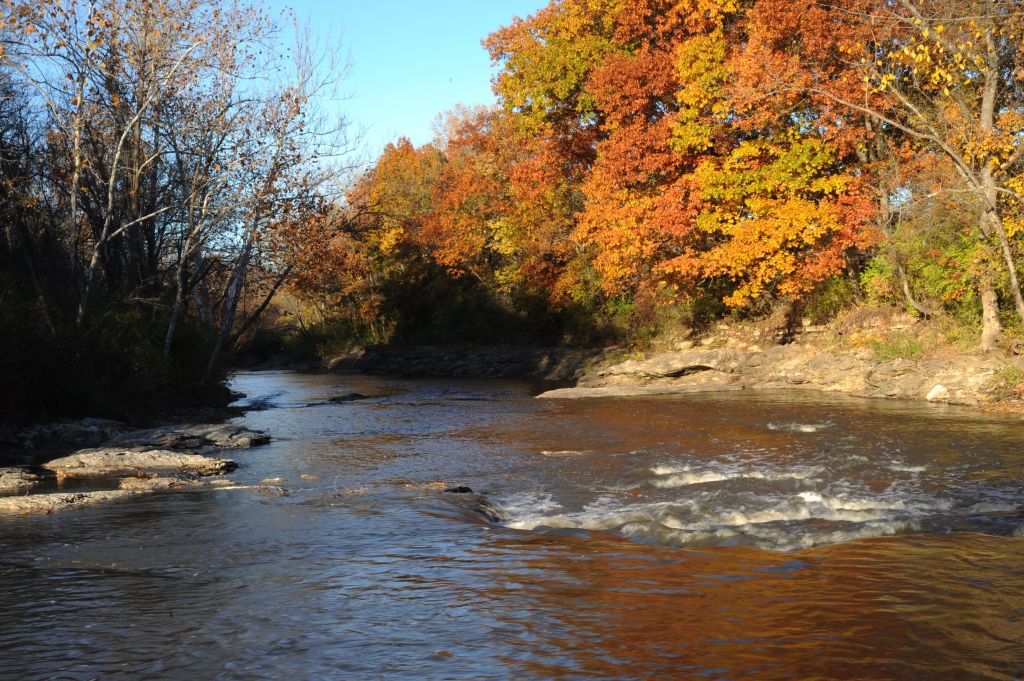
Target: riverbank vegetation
[[657, 164], [163, 171], [651, 167]]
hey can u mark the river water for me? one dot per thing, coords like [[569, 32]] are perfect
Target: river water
[[733, 536]]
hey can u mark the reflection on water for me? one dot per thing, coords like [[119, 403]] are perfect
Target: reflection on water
[[735, 536]]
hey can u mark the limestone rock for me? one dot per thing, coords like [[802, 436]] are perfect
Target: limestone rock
[[16, 480], [224, 436], [117, 462], [965, 380], [87, 432], [146, 484], [60, 501], [677, 364]]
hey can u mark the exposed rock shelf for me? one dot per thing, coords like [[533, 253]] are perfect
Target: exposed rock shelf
[[116, 462], [60, 501], [17, 480], [193, 437], [141, 462], [964, 380]]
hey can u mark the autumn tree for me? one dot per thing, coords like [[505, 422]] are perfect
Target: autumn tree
[[939, 75], [652, 94]]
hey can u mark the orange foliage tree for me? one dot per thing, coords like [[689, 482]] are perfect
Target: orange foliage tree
[[657, 93], [740, 151]]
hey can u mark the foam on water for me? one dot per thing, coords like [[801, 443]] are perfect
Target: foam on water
[[748, 500], [528, 504], [682, 476], [904, 468], [799, 427], [786, 524], [694, 478]]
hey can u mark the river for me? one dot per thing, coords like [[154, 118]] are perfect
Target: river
[[731, 536]]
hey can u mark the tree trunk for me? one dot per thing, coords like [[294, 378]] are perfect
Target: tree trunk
[[229, 309], [179, 303], [991, 327], [201, 296], [248, 323], [44, 308], [990, 219]]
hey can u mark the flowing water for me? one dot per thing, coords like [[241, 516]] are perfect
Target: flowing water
[[734, 536]]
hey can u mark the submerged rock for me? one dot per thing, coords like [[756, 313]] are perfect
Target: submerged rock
[[14, 480], [268, 490], [478, 505], [436, 485], [117, 462], [348, 397]]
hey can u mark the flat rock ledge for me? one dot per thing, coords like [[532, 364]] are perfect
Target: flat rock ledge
[[145, 483], [128, 488], [16, 480], [169, 458], [109, 462], [36, 504], [964, 380], [192, 437], [87, 432]]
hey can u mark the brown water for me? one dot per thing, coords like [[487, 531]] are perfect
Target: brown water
[[722, 537]]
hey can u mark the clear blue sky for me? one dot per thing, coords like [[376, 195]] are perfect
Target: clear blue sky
[[411, 59]]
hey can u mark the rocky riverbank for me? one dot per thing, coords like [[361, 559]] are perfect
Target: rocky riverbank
[[971, 380], [503, 361], [128, 463], [869, 353]]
